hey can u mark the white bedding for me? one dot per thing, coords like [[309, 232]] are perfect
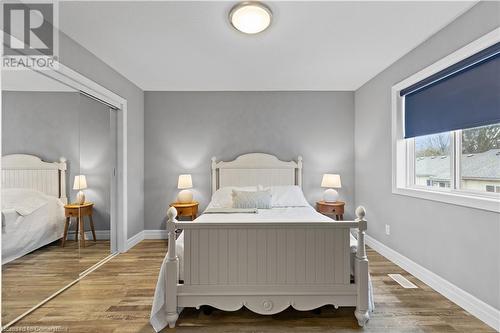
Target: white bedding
[[285, 214], [30, 219]]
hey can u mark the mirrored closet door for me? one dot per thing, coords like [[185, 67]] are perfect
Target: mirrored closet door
[[58, 184], [93, 187]]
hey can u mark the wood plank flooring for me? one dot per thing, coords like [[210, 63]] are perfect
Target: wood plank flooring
[[30, 279], [118, 296]]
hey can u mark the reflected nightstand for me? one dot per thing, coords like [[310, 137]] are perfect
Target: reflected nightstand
[[331, 209]]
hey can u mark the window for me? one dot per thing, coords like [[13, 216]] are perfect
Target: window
[[433, 165], [446, 128], [472, 156], [492, 188], [480, 159]]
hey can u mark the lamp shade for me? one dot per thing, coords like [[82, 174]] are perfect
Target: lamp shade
[[80, 182], [184, 182], [331, 181]]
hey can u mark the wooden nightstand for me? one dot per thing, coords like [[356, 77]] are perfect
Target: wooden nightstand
[[186, 209], [79, 212], [331, 209]]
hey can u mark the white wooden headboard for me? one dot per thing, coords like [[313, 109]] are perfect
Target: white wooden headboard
[[28, 171], [254, 169]]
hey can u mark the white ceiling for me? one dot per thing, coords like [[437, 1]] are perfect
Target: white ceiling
[[182, 46]]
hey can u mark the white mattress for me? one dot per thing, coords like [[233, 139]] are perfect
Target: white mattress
[[30, 220]]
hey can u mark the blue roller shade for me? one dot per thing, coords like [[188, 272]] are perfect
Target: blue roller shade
[[464, 95]]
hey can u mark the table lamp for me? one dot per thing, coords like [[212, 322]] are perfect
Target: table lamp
[[80, 184], [184, 184], [330, 181]]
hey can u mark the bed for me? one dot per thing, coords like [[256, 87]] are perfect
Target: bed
[[265, 260], [33, 197]]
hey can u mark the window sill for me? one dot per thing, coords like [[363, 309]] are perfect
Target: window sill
[[461, 199]]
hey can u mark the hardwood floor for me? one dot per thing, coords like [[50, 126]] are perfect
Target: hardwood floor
[[32, 278], [117, 298]]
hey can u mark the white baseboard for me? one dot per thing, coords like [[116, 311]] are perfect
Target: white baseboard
[[134, 240], [145, 234], [155, 234], [99, 235], [485, 312]]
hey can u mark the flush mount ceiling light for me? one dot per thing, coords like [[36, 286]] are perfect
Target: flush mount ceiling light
[[250, 17]]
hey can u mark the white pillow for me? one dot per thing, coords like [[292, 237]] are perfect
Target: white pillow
[[223, 197], [287, 196], [252, 199]]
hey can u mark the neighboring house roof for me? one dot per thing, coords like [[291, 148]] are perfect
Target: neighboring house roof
[[474, 166]]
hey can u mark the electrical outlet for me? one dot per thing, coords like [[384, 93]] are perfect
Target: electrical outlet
[[387, 229]]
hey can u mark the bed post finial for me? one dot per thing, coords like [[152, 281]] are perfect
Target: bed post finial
[[361, 270], [62, 179], [214, 174], [299, 171], [171, 266], [362, 226], [360, 212], [171, 219]]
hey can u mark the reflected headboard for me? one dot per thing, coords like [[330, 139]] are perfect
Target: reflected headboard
[[29, 171], [256, 169]]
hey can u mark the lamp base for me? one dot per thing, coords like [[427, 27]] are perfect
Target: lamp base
[[330, 195], [80, 198], [185, 196]]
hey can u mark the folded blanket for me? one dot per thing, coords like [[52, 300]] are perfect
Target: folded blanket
[[231, 211]]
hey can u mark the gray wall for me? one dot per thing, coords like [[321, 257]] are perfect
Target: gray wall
[[96, 157], [51, 125], [81, 60], [185, 129], [458, 243]]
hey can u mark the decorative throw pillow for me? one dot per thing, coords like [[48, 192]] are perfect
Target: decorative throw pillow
[[254, 199], [286, 196], [223, 197]]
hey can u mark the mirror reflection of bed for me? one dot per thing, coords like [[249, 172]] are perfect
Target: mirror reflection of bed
[[51, 134]]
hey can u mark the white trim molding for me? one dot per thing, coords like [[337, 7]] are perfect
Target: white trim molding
[[145, 234], [401, 177], [155, 234], [484, 312], [99, 235], [134, 240]]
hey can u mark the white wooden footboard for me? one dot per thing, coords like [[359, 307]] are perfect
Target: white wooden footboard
[[267, 267]]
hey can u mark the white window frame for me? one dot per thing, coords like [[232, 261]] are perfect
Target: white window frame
[[403, 150]]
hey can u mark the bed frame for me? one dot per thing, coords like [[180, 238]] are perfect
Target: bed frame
[[265, 267], [29, 171]]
